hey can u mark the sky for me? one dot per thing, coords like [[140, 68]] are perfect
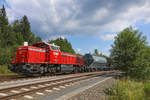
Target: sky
[[87, 24]]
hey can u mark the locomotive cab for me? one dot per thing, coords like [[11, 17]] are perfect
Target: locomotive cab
[[52, 52], [55, 54]]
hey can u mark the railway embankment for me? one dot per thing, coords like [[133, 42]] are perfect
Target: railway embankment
[[4, 71], [129, 89], [89, 90], [49, 89], [96, 91]]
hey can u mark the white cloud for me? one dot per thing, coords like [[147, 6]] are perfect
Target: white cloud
[[53, 38], [108, 36], [52, 18], [79, 49], [106, 50], [100, 14], [130, 17]]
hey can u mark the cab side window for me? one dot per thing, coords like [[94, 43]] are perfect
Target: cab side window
[[54, 48]]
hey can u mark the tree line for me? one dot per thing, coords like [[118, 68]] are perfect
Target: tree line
[[13, 35]]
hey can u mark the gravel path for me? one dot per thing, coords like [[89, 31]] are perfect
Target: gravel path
[[96, 92]]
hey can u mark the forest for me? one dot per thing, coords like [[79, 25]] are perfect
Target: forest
[[13, 35]]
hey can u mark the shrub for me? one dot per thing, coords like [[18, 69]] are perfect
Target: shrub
[[4, 70], [147, 90], [128, 90]]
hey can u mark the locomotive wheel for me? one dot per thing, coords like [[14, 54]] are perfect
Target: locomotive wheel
[[42, 70], [75, 70]]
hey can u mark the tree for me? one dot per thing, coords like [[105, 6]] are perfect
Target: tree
[[65, 46], [8, 36], [16, 26], [38, 39], [17, 29], [96, 52], [3, 17], [3, 24], [0, 38], [129, 51], [26, 30], [23, 32]]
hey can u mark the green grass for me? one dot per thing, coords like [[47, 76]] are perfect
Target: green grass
[[5, 71], [129, 90]]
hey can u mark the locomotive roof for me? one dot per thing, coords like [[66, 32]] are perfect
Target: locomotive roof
[[44, 43]]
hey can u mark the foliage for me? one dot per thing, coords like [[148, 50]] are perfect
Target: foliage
[[79, 54], [128, 90], [3, 17], [13, 35], [65, 46], [96, 52], [4, 70], [131, 54], [147, 90]]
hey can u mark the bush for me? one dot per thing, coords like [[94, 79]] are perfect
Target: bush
[[5, 56], [4, 70], [147, 90], [129, 90]]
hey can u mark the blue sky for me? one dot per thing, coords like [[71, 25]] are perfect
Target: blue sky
[[87, 24]]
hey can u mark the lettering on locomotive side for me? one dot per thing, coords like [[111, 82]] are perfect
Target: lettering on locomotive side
[[67, 55], [55, 53], [40, 50]]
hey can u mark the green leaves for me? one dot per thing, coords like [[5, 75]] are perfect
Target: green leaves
[[3, 17], [65, 46], [127, 90], [96, 52], [23, 27], [13, 35], [131, 54]]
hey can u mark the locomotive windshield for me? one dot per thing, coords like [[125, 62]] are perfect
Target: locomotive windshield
[[54, 48], [40, 46]]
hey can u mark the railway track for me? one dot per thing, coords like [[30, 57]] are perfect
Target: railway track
[[24, 90], [8, 78]]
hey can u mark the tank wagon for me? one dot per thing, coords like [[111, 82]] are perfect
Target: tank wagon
[[95, 62], [42, 58]]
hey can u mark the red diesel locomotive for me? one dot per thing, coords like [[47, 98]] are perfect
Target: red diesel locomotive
[[41, 58]]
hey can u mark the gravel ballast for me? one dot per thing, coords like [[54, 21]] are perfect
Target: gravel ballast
[[96, 92]]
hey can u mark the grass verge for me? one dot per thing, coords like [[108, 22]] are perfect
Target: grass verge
[[5, 71], [127, 89]]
